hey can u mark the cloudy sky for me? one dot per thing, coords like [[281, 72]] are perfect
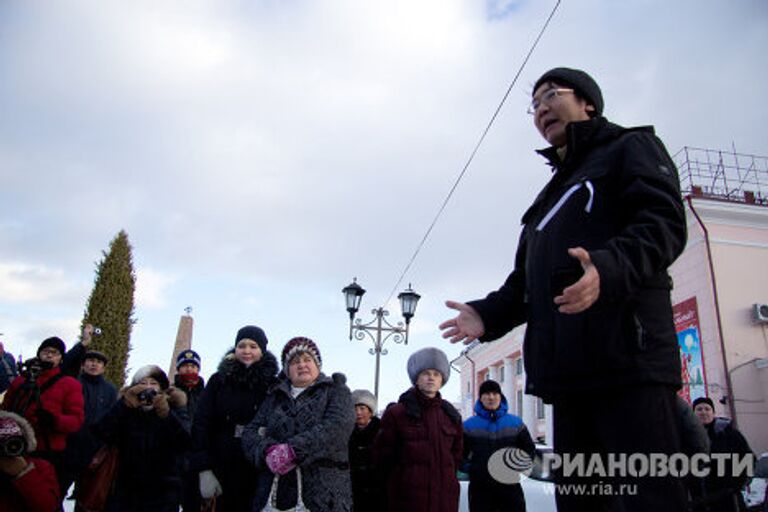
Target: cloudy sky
[[260, 154]]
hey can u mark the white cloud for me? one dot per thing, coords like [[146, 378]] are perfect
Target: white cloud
[[152, 288], [29, 283]]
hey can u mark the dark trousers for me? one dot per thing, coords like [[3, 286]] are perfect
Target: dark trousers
[[636, 420], [489, 496]]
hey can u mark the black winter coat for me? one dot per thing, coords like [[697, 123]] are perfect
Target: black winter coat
[[99, 396], [193, 394], [150, 451], [617, 195], [230, 400], [367, 484], [722, 493], [317, 425]]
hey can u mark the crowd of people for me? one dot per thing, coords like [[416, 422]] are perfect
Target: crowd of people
[[262, 434]]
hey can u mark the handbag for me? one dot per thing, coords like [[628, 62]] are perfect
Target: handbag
[[272, 500], [98, 480]]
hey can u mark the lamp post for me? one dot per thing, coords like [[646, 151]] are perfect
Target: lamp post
[[379, 329]]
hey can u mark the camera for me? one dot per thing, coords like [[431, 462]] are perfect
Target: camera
[[97, 331], [147, 396], [12, 446], [31, 368]]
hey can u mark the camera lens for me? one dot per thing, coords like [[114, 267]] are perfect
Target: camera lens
[[12, 447]]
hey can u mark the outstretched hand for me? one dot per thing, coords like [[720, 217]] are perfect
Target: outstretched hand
[[583, 293], [466, 327]]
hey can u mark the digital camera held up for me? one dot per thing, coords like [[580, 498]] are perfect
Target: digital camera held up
[[147, 396], [13, 443]]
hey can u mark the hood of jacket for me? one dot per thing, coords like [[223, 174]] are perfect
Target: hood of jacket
[[583, 136], [260, 374], [415, 402]]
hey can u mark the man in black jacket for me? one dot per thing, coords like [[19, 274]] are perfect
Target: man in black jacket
[[590, 279], [721, 492], [99, 396]]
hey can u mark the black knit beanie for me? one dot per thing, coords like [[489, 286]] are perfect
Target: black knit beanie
[[254, 333], [489, 386], [703, 400], [584, 85], [52, 342]]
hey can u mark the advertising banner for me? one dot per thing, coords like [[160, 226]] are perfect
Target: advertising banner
[[689, 342]]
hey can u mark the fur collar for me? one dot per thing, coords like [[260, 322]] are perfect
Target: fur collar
[[259, 375], [414, 403]]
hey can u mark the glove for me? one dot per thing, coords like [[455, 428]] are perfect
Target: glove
[[131, 395], [280, 458], [160, 403], [45, 419], [209, 486]]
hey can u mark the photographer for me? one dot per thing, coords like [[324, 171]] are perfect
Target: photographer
[[149, 425], [99, 396], [49, 400], [27, 484]]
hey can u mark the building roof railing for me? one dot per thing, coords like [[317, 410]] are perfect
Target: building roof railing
[[723, 175]]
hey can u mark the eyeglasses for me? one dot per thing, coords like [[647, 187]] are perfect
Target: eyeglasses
[[50, 352], [546, 98]]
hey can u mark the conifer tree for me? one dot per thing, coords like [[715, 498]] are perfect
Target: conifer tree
[[110, 307]]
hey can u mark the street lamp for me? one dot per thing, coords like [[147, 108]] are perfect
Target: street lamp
[[353, 294]]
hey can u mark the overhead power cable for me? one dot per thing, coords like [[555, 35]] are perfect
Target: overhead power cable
[[472, 154]]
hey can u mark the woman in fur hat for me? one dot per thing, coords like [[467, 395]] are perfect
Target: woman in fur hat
[[233, 395], [149, 425], [27, 484], [419, 446], [305, 422]]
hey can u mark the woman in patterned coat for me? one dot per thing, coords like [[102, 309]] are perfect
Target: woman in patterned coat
[[305, 422]]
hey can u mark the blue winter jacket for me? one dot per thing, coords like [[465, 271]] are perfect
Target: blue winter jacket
[[488, 431]]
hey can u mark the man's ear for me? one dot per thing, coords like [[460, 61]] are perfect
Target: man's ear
[[590, 108]]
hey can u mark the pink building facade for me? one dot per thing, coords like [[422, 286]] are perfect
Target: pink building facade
[[718, 280]]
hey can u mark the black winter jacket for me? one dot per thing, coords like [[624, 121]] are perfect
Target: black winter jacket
[[150, 456], [230, 400], [367, 481], [193, 394], [617, 195], [99, 396], [317, 425]]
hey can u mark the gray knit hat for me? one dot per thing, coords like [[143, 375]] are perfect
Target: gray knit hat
[[364, 397], [584, 85], [429, 358]]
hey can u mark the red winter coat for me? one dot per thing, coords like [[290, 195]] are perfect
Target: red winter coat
[[36, 490], [419, 448], [64, 399]]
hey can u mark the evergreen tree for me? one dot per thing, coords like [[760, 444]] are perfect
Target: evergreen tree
[[110, 307]]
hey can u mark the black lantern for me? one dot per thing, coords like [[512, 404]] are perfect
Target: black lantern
[[353, 294], [408, 301]]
